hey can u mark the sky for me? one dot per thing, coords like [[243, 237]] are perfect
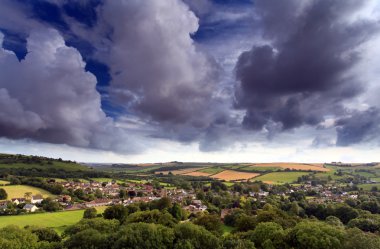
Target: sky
[[132, 81]]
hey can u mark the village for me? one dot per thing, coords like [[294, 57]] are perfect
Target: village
[[81, 195]]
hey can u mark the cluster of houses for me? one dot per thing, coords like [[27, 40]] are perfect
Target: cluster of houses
[[30, 204]]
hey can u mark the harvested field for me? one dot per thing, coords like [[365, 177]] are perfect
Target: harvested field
[[231, 175], [294, 166], [178, 172], [197, 173]]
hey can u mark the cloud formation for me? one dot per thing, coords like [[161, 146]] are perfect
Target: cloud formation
[[303, 73], [49, 97]]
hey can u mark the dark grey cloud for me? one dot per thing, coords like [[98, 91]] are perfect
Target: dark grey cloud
[[359, 126], [304, 72]]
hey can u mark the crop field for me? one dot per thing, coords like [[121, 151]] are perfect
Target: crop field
[[178, 172], [58, 220], [197, 173], [15, 191], [263, 169], [294, 166], [280, 177], [231, 175], [212, 170], [106, 180]]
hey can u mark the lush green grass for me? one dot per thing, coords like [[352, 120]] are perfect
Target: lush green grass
[[369, 186], [365, 174], [376, 179], [280, 177], [56, 165], [227, 230], [58, 220], [15, 191], [212, 170], [2, 182], [137, 181]]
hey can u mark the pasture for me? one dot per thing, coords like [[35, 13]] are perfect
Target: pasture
[[231, 175], [212, 170], [2, 182], [294, 166], [280, 177], [15, 191], [57, 220], [368, 186]]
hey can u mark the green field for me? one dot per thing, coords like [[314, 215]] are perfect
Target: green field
[[2, 182], [56, 165], [16, 191], [58, 220], [368, 186], [280, 177]]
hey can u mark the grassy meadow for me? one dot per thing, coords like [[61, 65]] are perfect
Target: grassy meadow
[[280, 177], [58, 220], [15, 191]]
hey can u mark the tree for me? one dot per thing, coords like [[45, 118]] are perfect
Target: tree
[[316, 235], [147, 236], [118, 212], [3, 194], [90, 213], [211, 222], [267, 231], [188, 235], [88, 239], [231, 242], [46, 234], [152, 216], [28, 195], [356, 239], [99, 224], [177, 212], [50, 205]]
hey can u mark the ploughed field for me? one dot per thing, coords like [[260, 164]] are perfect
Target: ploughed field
[[231, 175]]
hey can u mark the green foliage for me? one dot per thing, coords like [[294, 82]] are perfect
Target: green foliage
[[87, 239], [90, 213], [142, 235], [211, 222], [267, 231], [46, 234], [13, 237], [118, 212], [152, 216], [356, 239], [3, 194], [316, 235], [192, 236], [98, 224]]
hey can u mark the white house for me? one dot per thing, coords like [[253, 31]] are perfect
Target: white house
[[37, 199], [30, 208]]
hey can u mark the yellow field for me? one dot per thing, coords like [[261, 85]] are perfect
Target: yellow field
[[295, 166], [179, 172], [17, 191], [197, 173], [231, 175]]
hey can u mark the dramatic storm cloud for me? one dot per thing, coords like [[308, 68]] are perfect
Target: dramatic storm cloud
[[199, 76], [49, 97], [304, 72]]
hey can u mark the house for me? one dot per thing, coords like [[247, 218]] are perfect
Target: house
[[36, 199], [98, 202], [30, 208], [18, 200]]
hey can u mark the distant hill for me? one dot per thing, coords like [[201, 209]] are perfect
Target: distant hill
[[39, 163]]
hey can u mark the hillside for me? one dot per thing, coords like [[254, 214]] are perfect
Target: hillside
[[23, 162]]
